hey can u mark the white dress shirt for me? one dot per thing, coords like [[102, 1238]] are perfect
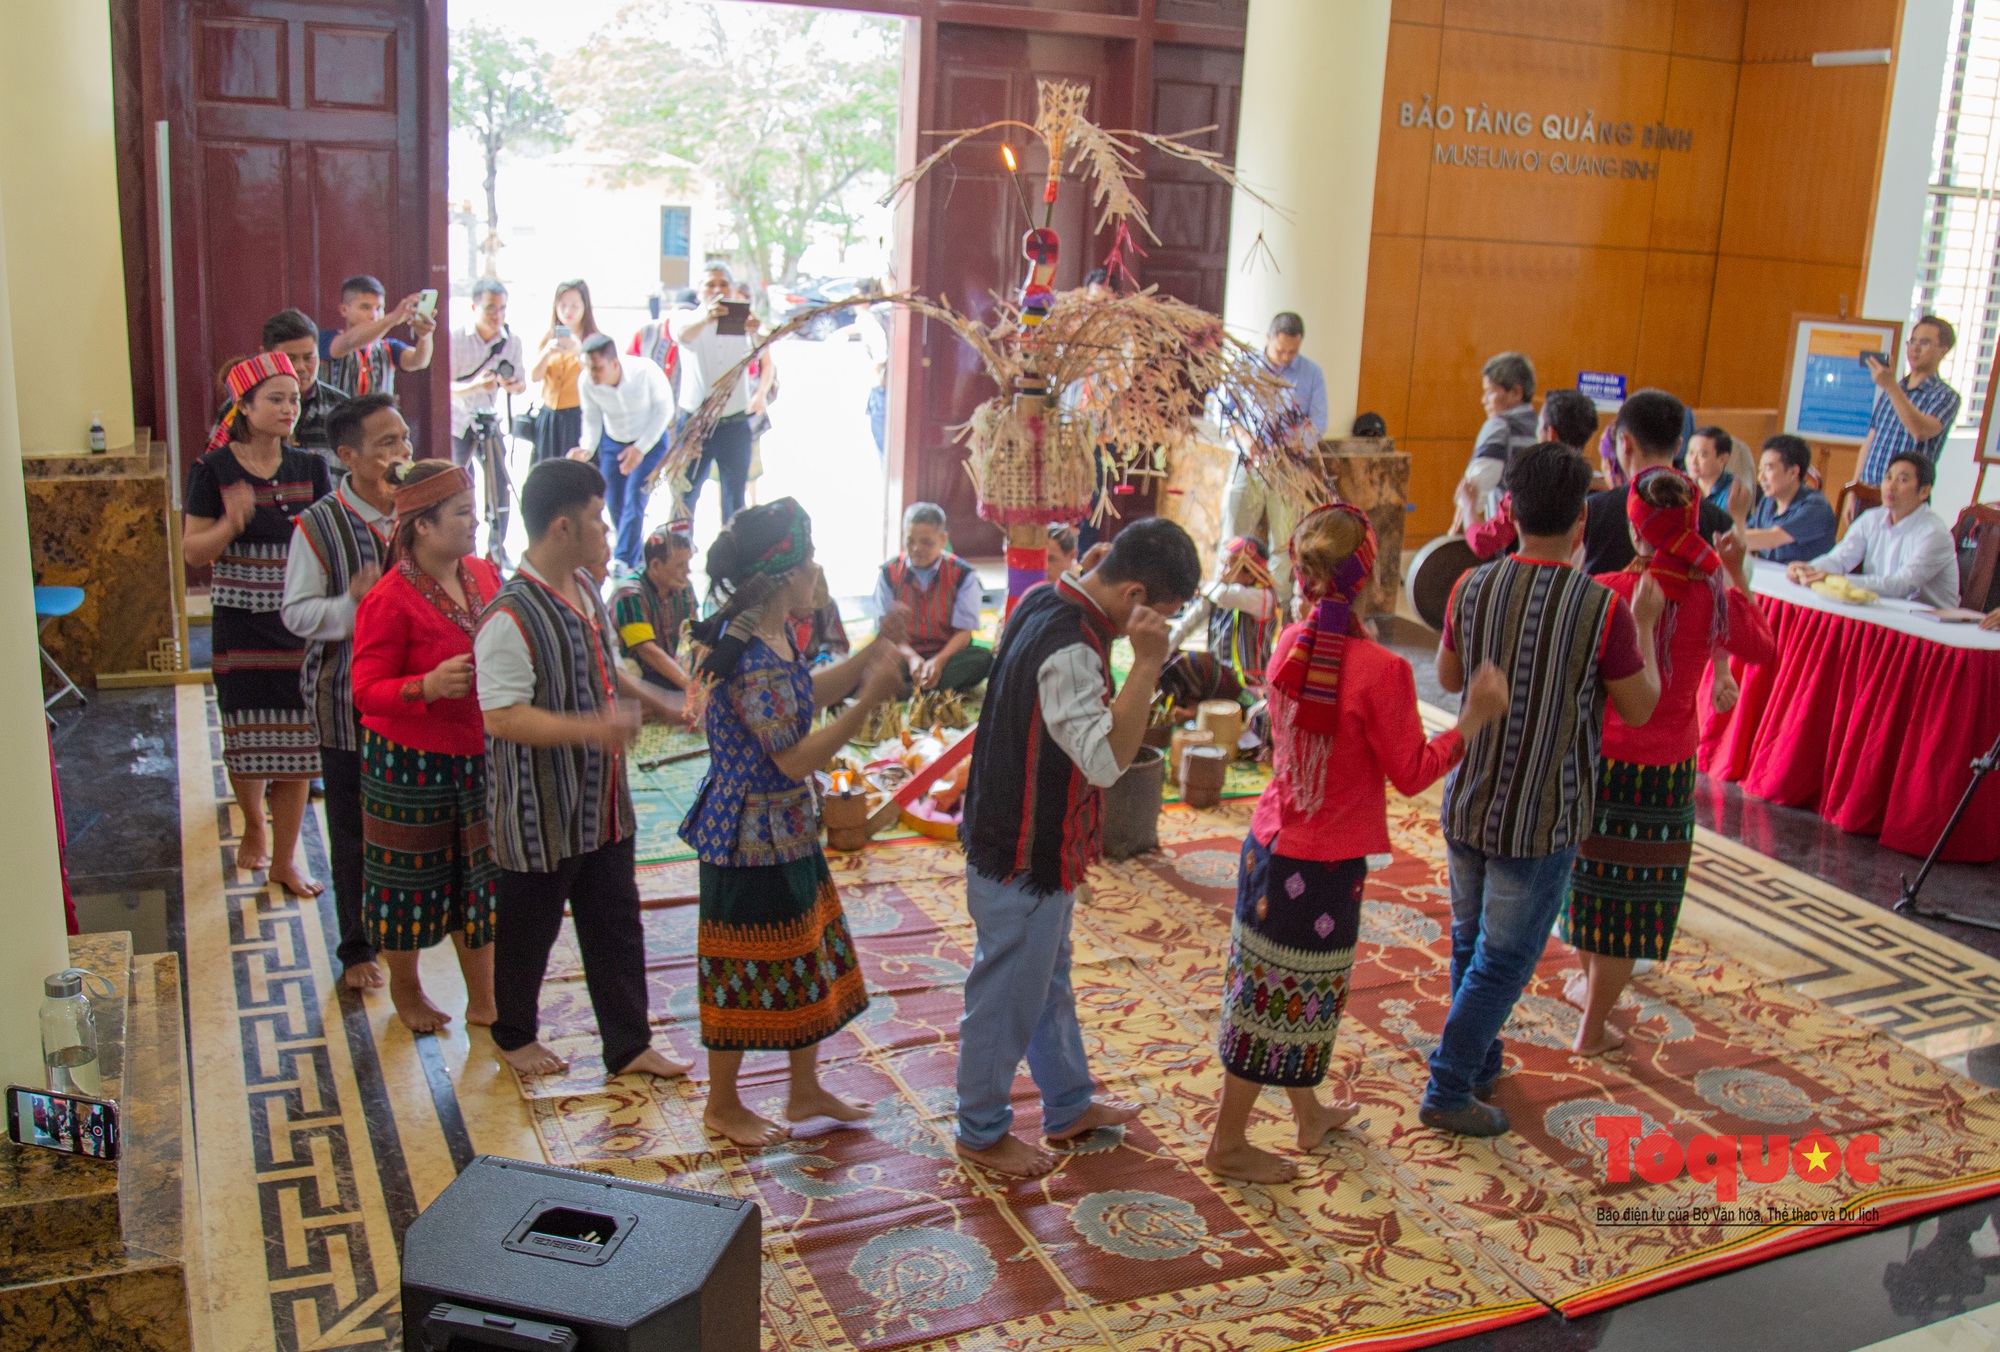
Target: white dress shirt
[[473, 355], [637, 410], [706, 357], [1260, 603], [1912, 559], [307, 610]]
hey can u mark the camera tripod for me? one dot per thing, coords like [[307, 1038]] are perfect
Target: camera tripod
[[1981, 767]]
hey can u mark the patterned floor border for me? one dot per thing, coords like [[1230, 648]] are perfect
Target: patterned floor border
[[348, 1126]]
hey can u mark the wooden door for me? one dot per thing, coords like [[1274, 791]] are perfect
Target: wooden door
[[308, 142]]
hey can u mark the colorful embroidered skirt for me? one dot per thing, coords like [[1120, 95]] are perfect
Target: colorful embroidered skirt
[[266, 731], [1630, 875], [1290, 948], [427, 865], [777, 967]]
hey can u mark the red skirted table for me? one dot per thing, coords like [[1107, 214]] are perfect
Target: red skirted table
[[1871, 717]]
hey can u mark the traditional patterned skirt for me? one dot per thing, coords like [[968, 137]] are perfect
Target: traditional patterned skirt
[[427, 865], [778, 969], [1291, 946], [1630, 875], [267, 732]]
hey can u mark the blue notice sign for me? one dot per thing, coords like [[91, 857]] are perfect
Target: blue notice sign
[[1606, 387]]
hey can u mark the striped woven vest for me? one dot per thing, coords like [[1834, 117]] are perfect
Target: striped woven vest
[[546, 804], [930, 607], [344, 545], [1527, 781]]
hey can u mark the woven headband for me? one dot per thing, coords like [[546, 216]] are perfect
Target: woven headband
[[251, 372], [432, 489]]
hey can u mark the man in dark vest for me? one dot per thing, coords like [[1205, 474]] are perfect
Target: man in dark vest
[[1051, 737], [557, 799], [338, 553]]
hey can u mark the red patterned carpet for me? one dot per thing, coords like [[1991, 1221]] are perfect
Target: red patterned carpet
[[1395, 1236]]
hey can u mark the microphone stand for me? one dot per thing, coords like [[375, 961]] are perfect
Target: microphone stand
[[1981, 767]]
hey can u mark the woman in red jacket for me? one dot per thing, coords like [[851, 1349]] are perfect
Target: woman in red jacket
[[1344, 719], [1630, 875], [427, 861]]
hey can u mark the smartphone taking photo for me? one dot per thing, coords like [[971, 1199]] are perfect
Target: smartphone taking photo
[[67, 1122], [734, 318], [427, 303]]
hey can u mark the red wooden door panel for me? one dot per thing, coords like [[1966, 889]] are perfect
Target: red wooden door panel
[[306, 147]]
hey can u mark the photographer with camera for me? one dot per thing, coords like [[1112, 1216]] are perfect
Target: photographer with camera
[[486, 362]]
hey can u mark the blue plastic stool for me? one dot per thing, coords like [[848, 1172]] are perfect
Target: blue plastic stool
[[52, 603]]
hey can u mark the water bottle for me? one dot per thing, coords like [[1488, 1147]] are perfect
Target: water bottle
[[69, 1034]]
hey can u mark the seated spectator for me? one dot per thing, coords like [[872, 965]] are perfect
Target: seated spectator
[[1239, 610], [943, 595], [650, 606], [1902, 548], [293, 333], [1708, 455], [1647, 434], [360, 357], [1507, 393], [1062, 550], [1794, 522], [819, 635], [1568, 417]]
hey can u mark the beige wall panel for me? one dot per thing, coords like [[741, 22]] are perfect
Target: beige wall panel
[[1687, 210], [1647, 24], [1792, 30], [1395, 263], [1565, 307], [1751, 320]]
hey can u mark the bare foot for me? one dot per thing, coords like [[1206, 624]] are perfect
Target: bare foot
[[417, 1012], [1318, 1124], [742, 1126], [363, 976], [253, 851], [299, 884], [650, 1062], [533, 1059], [1608, 1039], [1576, 989], [1246, 1163], [1108, 1114], [817, 1102], [1010, 1155], [481, 1016]]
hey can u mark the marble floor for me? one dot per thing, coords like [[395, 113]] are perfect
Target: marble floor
[[324, 1127]]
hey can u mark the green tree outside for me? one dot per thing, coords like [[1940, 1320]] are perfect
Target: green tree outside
[[790, 115], [500, 93]]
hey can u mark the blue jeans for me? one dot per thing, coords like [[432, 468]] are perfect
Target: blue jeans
[[1501, 911], [728, 450], [1018, 1003], [625, 497], [878, 419]]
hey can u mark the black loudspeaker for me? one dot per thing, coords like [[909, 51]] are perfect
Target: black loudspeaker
[[515, 1256]]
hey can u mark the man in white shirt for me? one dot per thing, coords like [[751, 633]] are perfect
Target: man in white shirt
[[1248, 509], [1902, 548], [707, 356], [628, 409], [486, 363]]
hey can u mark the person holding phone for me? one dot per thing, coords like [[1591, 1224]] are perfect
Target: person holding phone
[[360, 357], [710, 353], [1915, 413], [558, 366]]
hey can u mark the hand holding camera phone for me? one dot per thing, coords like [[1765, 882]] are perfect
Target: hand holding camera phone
[[1871, 360], [70, 1123], [734, 317], [427, 302]]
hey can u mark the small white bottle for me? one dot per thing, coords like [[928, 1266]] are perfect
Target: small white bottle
[[69, 1035], [97, 433]]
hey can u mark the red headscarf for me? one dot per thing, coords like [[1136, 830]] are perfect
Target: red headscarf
[[244, 377], [1311, 671], [1679, 554]]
